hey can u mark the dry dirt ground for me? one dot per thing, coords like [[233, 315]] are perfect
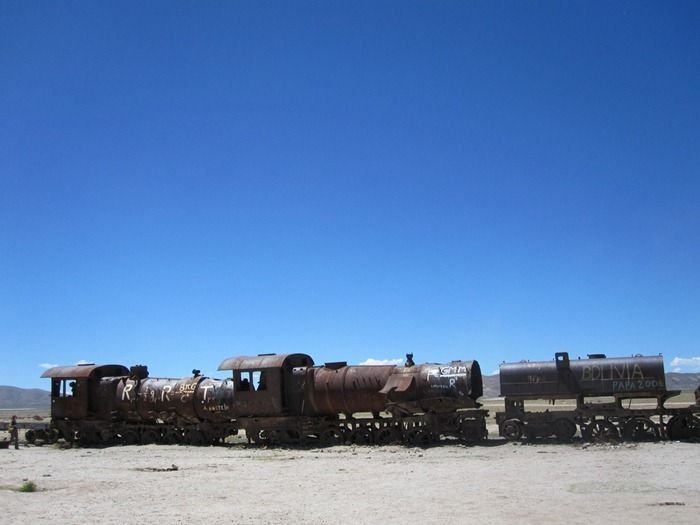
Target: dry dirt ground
[[495, 483]]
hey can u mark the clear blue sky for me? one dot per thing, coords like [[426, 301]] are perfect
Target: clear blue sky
[[187, 181]]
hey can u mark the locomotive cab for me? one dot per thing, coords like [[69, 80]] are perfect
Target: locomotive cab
[[75, 389], [268, 384]]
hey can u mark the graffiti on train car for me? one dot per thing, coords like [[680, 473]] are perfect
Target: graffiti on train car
[[446, 377], [636, 385], [611, 372]]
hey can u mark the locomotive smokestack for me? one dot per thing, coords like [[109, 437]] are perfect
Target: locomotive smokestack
[[138, 372]]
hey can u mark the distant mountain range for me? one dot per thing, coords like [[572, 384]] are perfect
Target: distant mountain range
[[676, 381], [13, 397], [492, 387]]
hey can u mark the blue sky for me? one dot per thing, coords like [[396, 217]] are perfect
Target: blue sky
[[186, 181]]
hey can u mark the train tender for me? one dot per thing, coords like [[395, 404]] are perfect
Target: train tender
[[274, 398], [599, 385]]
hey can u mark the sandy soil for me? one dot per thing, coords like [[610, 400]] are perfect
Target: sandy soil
[[497, 483]]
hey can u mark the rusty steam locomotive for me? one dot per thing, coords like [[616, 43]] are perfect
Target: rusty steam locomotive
[[286, 399], [274, 398]]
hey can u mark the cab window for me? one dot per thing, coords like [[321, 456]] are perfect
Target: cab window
[[64, 388], [253, 381]]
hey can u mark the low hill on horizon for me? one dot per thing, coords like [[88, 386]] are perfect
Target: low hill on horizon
[[15, 397], [686, 381]]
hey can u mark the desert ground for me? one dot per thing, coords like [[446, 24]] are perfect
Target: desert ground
[[498, 482]]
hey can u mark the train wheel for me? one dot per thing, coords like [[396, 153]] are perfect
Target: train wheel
[[290, 436], [473, 430], [149, 437], [130, 437], [217, 438], [172, 437], [564, 429], [331, 436], [264, 436], [418, 436], [210, 438], [387, 436], [512, 429], [68, 435], [640, 429], [601, 430], [682, 428], [90, 438], [361, 436], [269, 437], [41, 437], [194, 437], [106, 436], [53, 435], [258, 436]]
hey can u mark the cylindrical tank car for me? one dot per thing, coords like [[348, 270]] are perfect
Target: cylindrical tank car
[[599, 386]]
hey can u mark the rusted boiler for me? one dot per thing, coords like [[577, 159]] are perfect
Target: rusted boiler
[[339, 388], [140, 398]]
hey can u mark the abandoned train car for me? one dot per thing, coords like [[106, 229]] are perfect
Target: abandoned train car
[[287, 399], [599, 385]]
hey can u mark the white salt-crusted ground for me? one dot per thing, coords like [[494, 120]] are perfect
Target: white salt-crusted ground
[[498, 483]]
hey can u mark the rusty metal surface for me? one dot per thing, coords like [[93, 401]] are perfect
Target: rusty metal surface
[[213, 399], [625, 376], [401, 383], [267, 361], [457, 379], [435, 387], [167, 399], [186, 399], [102, 397], [77, 391], [268, 385], [126, 394], [349, 389], [86, 371], [254, 400]]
